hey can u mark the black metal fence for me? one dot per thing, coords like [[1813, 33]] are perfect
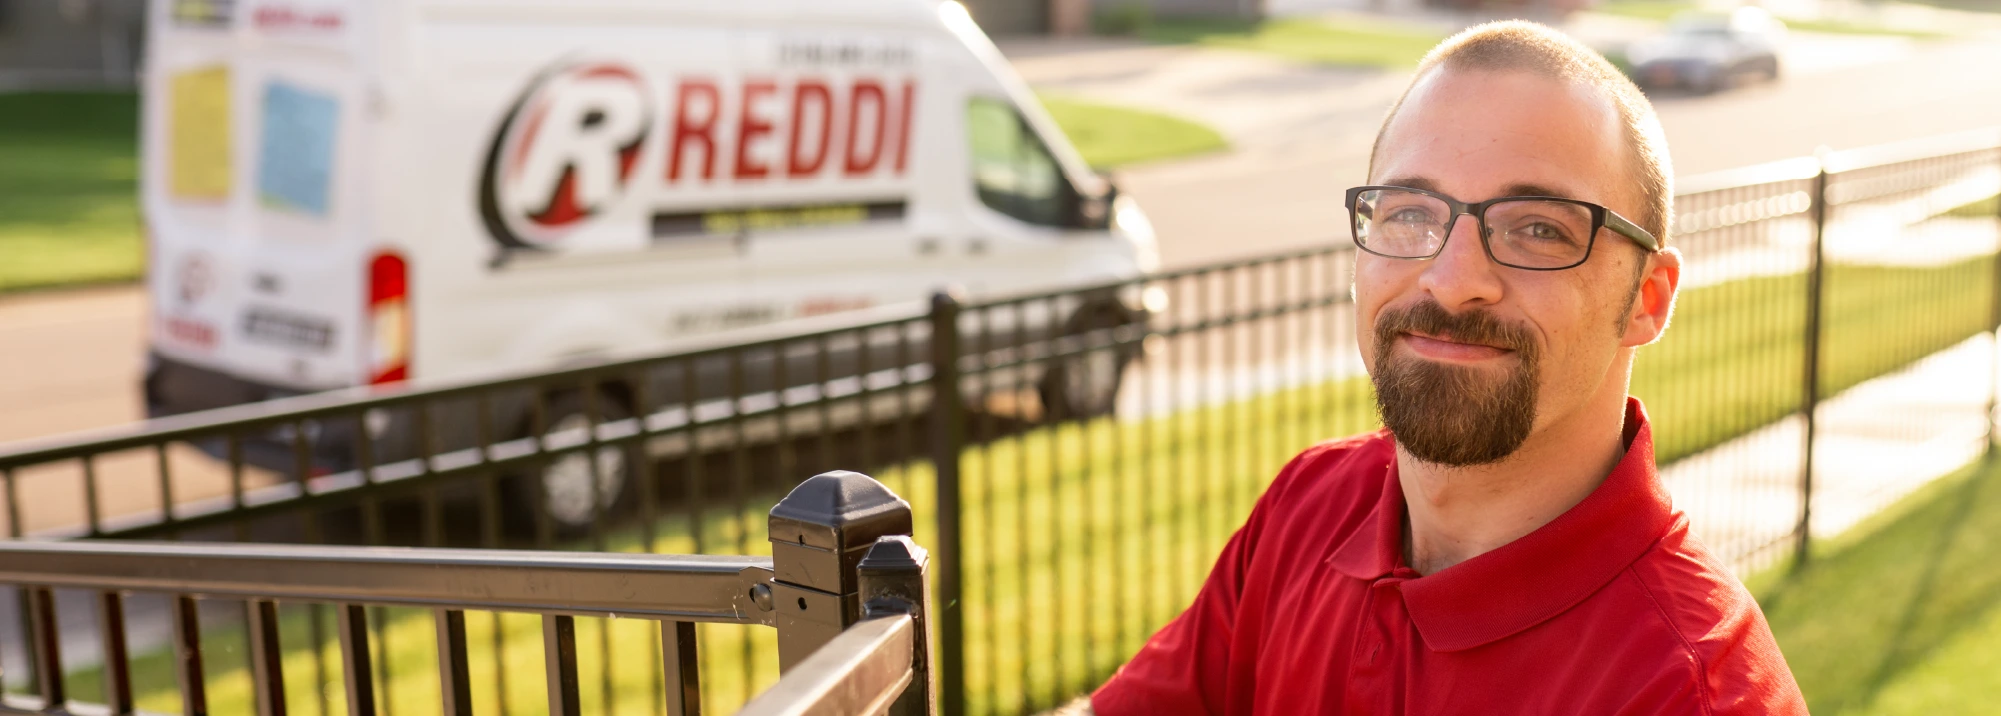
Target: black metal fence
[[1077, 457], [844, 588]]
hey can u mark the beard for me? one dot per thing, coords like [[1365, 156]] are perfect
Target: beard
[[1450, 414]]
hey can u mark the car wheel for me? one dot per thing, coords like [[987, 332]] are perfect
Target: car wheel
[[1086, 385], [568, 490]]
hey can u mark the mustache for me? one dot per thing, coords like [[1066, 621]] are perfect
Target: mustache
[[1477, 326]]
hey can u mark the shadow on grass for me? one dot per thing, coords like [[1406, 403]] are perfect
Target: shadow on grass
[[1891, 594]]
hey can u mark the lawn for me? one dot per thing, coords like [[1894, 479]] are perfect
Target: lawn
[[1987, 208], [1658, 10], [69, 208], [1902, 614], [1111, 137], [1664, 10], [1348, 42]]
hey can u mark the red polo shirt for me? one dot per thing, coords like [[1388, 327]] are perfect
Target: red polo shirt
[[1610, 608]]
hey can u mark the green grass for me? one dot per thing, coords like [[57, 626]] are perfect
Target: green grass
[[1846, 27], [1110, 137], [1902, 614], [1659, 10], [68, 195], [1349, 42], [1987, 208], [1731, 360], [1664, 10], [1084, 538]]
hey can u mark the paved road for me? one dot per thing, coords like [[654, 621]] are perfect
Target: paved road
[[71, 361]]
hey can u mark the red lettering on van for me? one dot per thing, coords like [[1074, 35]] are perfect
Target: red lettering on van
[[191, 332], [903, 126], [865, 92], [799, 164], [688, 129], [750, 128]]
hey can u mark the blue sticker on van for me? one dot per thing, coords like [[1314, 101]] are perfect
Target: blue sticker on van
[[295, 161]]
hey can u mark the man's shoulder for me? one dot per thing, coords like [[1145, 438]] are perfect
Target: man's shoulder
[[1324, 492], [1718, 624], [1341, 470]]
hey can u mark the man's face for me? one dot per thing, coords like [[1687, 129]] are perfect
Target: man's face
[[1469, 357]]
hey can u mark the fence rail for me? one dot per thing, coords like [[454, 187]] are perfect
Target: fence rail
[[1076, 457]]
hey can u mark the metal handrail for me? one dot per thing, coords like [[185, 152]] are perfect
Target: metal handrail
[[862, 671], [699, 588]]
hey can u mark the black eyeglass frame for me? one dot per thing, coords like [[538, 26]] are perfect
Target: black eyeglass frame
[[1601, 218]]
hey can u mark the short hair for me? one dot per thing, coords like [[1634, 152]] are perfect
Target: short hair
[[1538, 49]]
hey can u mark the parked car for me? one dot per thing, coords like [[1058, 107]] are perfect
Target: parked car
[[1706, 52]]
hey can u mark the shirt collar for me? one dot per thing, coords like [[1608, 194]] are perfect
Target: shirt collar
[[1527, 581]]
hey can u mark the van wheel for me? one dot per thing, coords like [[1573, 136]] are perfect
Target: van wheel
[[560, 488], [1086, 385]]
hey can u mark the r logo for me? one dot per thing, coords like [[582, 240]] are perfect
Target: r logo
[[564, 154]]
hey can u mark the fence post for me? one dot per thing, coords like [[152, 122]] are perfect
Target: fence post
[[1810, 388], [892, 582], [1994, 331], [819, 533], [948, 439]]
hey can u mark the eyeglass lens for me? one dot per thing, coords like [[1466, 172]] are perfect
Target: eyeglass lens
[[1529, 232]]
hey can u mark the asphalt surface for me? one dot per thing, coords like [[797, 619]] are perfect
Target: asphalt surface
[[72, 360]]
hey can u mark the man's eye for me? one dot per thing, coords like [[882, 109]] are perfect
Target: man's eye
[[1409, 215], [1544, 232]]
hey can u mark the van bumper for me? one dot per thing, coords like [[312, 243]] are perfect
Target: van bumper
[[175, 387]]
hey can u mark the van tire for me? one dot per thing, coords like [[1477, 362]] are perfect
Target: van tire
[[1087, 385], [558, 488]]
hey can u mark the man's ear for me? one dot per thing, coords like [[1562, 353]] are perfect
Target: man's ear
[[1655, 304]]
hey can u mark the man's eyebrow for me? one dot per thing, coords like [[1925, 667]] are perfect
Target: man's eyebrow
[[1519, 189], [1413, 182], [1535, 190]]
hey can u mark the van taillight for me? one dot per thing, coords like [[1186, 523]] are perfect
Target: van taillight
[[388, 318]]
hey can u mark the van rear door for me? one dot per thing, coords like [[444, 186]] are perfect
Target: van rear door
[[254, 144]]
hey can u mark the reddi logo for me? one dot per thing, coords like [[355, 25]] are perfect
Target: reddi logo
[[564, 154]]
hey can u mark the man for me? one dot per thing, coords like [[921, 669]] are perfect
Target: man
[[1504, 546]]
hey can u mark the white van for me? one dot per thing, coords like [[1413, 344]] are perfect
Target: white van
[[346, 192]]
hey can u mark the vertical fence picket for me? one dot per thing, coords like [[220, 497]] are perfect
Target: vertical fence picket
[[188, 673], [682, 668], [454, 669], [45, 647], [117, 663], [267, 672], [357, 676], [559, 654]]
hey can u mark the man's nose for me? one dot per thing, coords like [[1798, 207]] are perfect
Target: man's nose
[[1461, 274]]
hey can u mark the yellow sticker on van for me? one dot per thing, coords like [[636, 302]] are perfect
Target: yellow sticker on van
[[198, 135]]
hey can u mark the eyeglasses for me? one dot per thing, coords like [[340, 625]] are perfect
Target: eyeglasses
[[1538, 233]]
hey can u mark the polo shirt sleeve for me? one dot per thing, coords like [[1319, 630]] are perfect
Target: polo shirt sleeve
[[1186, 667]]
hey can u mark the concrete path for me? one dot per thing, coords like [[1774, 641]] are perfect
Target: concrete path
[[1875, 443]]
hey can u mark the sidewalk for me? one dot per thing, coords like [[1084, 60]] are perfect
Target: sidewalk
[[1875, 443]]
